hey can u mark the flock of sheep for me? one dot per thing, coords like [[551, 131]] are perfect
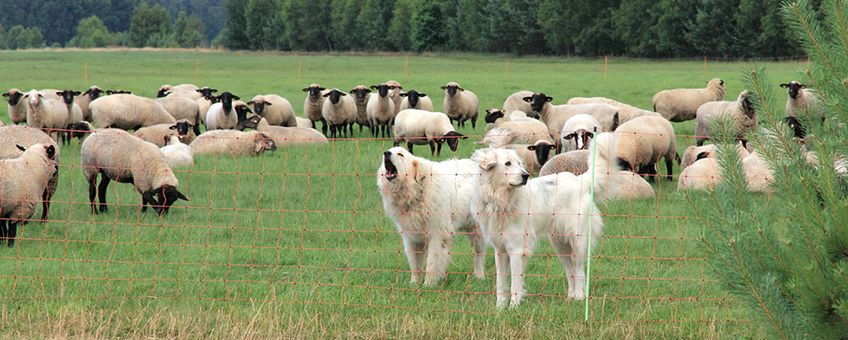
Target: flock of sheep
[[167, 135]]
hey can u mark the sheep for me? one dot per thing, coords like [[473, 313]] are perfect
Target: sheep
[[575, 162], [555, 116], [220, 114], [626, 112], [641, 142], [182, 108], [758, 174], [117, 155], [704, 174], [460, 105], [800, 99], [233, 143], [394, 91], [581, 128], [85, 98], [184, 90], [625, 185], [361, 93], [678, 105], [284, 136], [314, 104], [23, 181], [177, 154], [425, 127], [304, 123], [534, 155], [339, 112], [73, 112], [515, 102], [415, 100], [277, 110], [156, 133], [43, 113], [694, 153], [14, 135], [128, 111], [17, 107], [204, 102], [528, 129], [741, 112], [380, 111]]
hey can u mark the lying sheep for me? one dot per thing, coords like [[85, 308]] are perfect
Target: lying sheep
[[304, 123], [680, 105], [758, 174], [285, 136], [128, 111], [534, 155], [801, 99], [158, 134], [361, 93], [23, 182], [105, 152], [515, 102], [626, 112], [221, 115], [177, 154], [14, 135], [704, 174], [17, 107], [641, 142], [524, 129], [580, 128], [339, 112], [233, 143], [416, 100], [85, 98], [183, 90], [48, 114], [182, 108], [424, 127], [380, 111], [555, 116], [277, 110], [460, 105], [741, 112], [394, 92], [313, 104], [575, 162], [694, 153], [625, 185]]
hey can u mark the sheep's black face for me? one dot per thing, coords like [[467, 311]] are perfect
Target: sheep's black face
[[542, 151], [93, 93], [314, 92], [259, 107], [452, 138], [167, 196], [412, 96], [794, 88], [206, 92], [68, 96], [14, 97], [537, 101], [241, 112], [226, 100], [451, 89], [382, 89], [360, 93], [79, 130], [335, 96], [162, 93], [493, 115], [796, 127], [252, 122], [182, 128]]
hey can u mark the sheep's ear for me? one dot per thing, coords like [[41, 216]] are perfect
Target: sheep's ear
[[527, 99], [403, 94], [802, 85], [173, 127], [374, 86], [352, 91], [20, 147], [784, 85], [305, 89], [326, 94], [459, 88], [51, 151], [444, 87], [702, 155], [87, 92], [236, 97], [489, 111], [268, 104], [60, 94], [181, 196], [6, 94], [250, 103], [422, 94], [615, 122], [531, 147], [77, 93], [569, 136], [548, 98], [343, 94]]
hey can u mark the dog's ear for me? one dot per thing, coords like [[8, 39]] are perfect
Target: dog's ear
[[416, 171], [484, 158]]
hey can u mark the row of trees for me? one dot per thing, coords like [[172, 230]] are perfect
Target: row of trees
[[643, 28]]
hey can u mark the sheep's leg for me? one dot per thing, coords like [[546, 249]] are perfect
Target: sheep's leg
[[699, 141], [669, 167], [501, 276], [2, 229], [324, 126], [11, 233], [479, 247], [474, 122], [92, 193], [438, 149], [432, 148], [45, 204], [409, 147], [101, 192]]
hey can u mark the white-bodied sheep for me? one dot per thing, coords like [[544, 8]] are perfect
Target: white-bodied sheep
[[740, 113], [694, 153], [17, 107], [339, 112], [128, 111], [48, 114], [314, 104], [394, 91], [14, 135], [575, 162], [380, 111], [182, 108], [555, 116], [704, 174], [227, 113], [641, 142], [73, 113], [533, 154], [515, 102], [232, 143], [304, 123], [204, 102], [177, 154], [425, 127], [85, 98], [757, 173], [578, 131], [183, 90], [801, 99], [122, 157], [529, 129], [626, 112], [678, 105], [413, 99], [23, 181], [276, 110], [625, 185], [285, 136], [157, 134], [460, 105], [361, 93]]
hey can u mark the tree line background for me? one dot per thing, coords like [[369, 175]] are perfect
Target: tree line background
[[638, 28]]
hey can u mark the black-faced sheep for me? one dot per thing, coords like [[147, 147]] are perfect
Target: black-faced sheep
[[424, 127], [678, 105], [380, 111], [641, 142], [276, 110], [313, 104], [156, 134], [800, 99], [23, 180], [413, 99], [14, 135], [339, 112], [460, 105], [555, 116], [233, 143], [17, 107], [128, 111], [360, 97], [221, 115], [740, 113]]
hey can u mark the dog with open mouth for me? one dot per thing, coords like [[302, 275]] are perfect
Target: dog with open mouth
[[430, 202]]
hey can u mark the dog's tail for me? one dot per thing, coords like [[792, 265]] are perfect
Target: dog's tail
[[603, 163]]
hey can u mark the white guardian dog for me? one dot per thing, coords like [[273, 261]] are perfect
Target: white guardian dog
[[513, 212], [430, 202]]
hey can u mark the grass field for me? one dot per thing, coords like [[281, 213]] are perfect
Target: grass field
[[295, 243]]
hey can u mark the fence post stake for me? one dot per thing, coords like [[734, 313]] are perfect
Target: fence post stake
[[589, 230]]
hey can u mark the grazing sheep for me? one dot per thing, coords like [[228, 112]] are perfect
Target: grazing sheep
[[555, 116], [277, 110], [284, 136], [220, 114], [580, 128], [575, 162], [14, 135], [801, 99], [177, 154], [314, 104], [741, 112], [233, 143], [339, 112], [183, 90], [23, 182], [704, 174], [425, 127], [47, 114], [515, 102], [415, 100], [106, 152], [678, 105], [17, 107], [183, 108], [360, 97], [394, 91], [380, 111], [626, 112], [128, 111], [304, 123], [460, 105], [641, 142], [157, 134]]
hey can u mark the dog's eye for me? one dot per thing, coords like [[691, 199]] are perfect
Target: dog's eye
[[400, 155], [508, 164]]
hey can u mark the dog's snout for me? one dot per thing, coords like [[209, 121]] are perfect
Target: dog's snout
[[525, 176], [387, 154]]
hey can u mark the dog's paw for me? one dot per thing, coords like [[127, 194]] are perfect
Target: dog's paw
[[502, 303], [431, 281], [480, 275], [577, 295]]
